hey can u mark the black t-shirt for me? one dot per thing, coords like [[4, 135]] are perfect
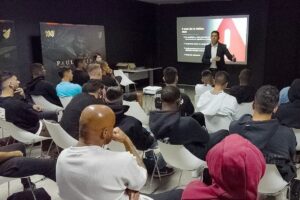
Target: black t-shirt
[[70, 119], [80, 77]]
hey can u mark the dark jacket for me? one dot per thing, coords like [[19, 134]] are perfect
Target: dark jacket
[[80, 77], [243, 94], [20, 114], [174, 129], [133, 128], [277, 142], [39, 86], [221, 51], [70, 118]]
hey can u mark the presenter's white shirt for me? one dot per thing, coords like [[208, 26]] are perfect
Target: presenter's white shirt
[[217, 104], [93, 173], [214, 49]]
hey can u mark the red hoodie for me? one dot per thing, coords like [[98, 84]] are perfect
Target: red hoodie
[[236, 167]]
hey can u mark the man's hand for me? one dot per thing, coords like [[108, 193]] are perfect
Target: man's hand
[[19, 91], [217, 58], [233, 58], [37, 108], [16, 154], [133, 195], [119, 135]]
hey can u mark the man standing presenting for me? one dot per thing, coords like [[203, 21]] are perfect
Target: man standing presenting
[[214, 53]]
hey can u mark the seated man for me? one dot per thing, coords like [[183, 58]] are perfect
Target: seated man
[[207, 80], [283, 95], [277, 142], [88, 171], [216, 101], [236, 167], [170, 127], [94, 71], [13, 163], [91, 94], [171, 78], [244, 93], [288, 113], [80, 75], [39, 86], [65, 88]]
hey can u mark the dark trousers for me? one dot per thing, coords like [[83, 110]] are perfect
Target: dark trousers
[[170, 195], [21, 166]]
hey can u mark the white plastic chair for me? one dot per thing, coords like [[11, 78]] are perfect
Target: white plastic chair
[[272, 182], [217, 122], [135, 110], [46, 105], [65, 101], [60, 137], [125, 80], [244, 108], [297, 134]]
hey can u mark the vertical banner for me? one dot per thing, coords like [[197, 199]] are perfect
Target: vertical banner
[[62, 43], [8, 48]]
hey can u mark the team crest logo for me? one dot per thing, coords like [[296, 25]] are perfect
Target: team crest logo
[[6, 33]]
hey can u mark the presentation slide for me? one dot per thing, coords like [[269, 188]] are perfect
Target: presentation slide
[[193, 33]]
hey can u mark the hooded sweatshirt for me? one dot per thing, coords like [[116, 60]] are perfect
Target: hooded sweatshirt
[[288, 114], [277, 142], [174, 129], [235, 173]]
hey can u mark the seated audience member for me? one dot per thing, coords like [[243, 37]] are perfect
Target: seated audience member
[[244, 93], [39, 86], [171, 78], [88, 171], [14, 163], [91, 94], [207, 80], [169, 126], [283, 95], [80, 76], [288, 114], [236, 167], [94, 71], [277, 142], [106, 70], [216, 101], [65, 88]]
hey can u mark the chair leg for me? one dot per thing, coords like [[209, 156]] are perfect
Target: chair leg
[[180, 178], [30, 150], [155, 168], [49, 148], [8, 189], [34, 197]]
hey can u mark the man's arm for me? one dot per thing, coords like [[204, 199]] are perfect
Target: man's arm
[[206, 57], [228, 54], [7, 155]]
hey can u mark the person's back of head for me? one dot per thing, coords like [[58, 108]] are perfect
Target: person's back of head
[[94, 71], [245, 77], [294, 91], [170, 98], [79, 63], [94, 87], [221, 80], [65, 73], [37, 69], [207, 77], [266, 100], [170, 75], [114, 96]]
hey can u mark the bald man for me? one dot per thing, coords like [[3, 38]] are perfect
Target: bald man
[[88, 171]]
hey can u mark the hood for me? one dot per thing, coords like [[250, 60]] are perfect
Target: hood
[[31, 84], [119, 110], [294, 91], [235, 174], [162, 123]]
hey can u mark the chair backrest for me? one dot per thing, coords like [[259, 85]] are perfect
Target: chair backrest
[[135, 110], [65, 101], [217, 122], [297, 134], [272, 182], [179, 157], [125, 80], [60, 137], [244, 108], [4, 179], [46, 105]]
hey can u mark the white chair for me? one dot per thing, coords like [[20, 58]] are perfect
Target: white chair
[[244, 108], [217, 122], [272, 182], [65, 101], [126, 82], [135, 110], [59, 136], [46, 105], [297, 134]]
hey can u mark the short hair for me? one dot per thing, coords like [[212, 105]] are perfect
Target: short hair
[[170, 74], [62, 70], [266, 99], [92, 86], [245, 75], [4, 76], [206, 73], [36, 69], [91, 67], [221, 78], [95, 56], [77, 61], [114, 95], [217, 32], [170, 94]]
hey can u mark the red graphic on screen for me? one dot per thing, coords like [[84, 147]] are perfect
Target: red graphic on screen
[[236, 46]]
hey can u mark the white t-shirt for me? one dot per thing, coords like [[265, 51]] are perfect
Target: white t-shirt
[[94, 173], [217, 104]]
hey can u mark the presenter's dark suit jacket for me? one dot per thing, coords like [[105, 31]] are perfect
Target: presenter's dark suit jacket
[[221, 51]]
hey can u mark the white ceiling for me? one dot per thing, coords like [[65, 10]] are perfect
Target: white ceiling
[[176, 1]]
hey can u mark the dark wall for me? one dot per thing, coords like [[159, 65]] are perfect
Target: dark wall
[[129, 27], [189, 72]]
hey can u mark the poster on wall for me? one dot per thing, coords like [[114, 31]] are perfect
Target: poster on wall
[[62, 43], [8, 48]]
